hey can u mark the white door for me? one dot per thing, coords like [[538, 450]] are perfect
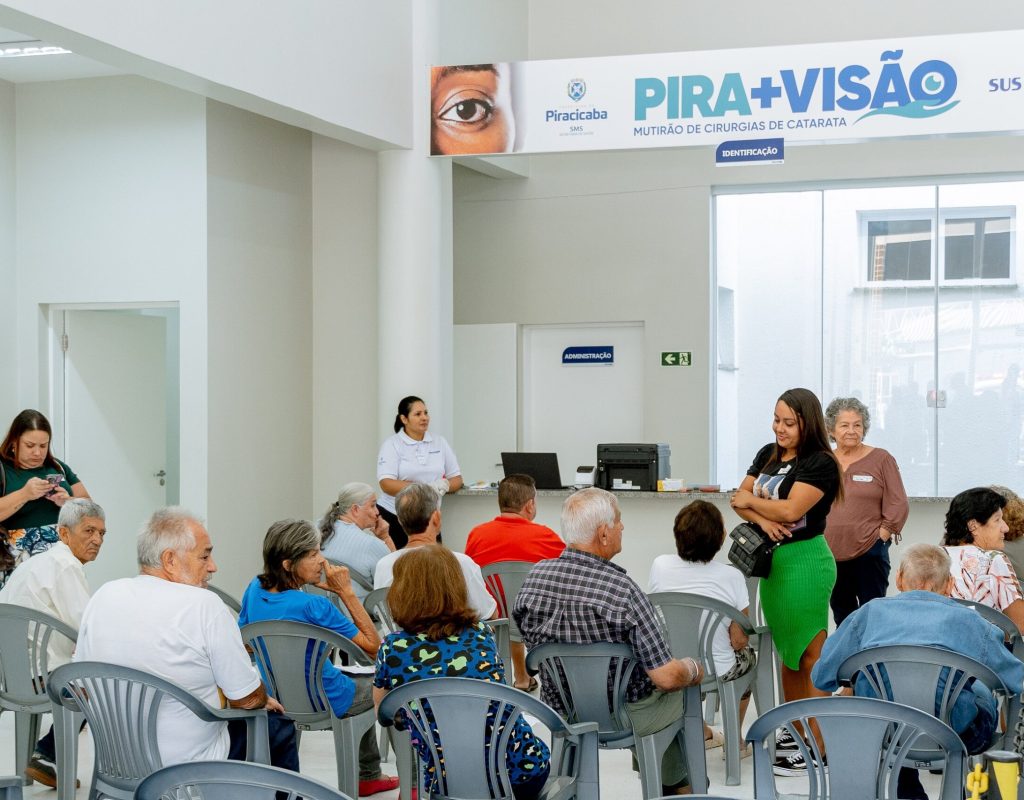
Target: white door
[[570, 408], [115, 423]]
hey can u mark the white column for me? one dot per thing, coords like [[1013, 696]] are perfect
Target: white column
[[415, 254]]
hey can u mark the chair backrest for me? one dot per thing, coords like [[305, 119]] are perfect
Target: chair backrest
[[121, 706], [25, 639], [229, 600], [504, 579], [590, 682], [927, 678], [1009, 628], [291, 657], [690, 622], [866, 741], [363, 581], [376, 605], [232, 780], [754, 593], [473, 752]]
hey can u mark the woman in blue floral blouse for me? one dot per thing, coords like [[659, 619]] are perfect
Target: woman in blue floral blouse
[[440, 637]]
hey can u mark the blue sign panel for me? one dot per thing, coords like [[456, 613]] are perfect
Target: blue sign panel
[[589, 355], [751, 151]]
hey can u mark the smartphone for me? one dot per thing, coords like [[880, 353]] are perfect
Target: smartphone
[[54, 479]]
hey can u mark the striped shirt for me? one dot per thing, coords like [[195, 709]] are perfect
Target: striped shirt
[[581, 598]]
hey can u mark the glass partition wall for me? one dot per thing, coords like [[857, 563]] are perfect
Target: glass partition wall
[[903, 296]]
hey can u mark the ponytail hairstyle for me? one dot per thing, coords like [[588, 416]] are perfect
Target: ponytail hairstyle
[[351, 494], [404, 407]]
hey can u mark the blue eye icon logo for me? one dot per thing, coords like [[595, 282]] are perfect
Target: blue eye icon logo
[[577, 88]]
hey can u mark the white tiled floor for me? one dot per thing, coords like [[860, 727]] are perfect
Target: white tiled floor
[[618, 781]]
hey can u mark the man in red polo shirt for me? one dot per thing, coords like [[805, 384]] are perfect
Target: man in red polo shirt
[[514, 536]]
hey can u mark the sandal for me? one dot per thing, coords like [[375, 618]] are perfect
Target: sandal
[[531, 687], [716, 739]]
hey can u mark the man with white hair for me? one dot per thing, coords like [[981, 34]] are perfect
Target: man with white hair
[[165, 622], [581, 597], [54, 583], [923, 613]]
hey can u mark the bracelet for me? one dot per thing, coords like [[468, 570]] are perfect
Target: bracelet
[[694, 670]]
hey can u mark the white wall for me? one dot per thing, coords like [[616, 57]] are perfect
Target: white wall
[[344, 301], [260, 335], [627, 236], [339, 67], [8, 273], [576, 28], [111, 207]]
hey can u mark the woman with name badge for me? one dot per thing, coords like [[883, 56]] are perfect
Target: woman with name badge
[[33, 487], [413, 455], [861, 529], [788, 492]]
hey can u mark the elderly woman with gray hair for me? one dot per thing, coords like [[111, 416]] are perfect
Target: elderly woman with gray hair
[[861, 530], [353, 532], [292, 559]]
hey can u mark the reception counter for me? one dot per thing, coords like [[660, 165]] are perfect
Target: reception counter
[[647, 518]]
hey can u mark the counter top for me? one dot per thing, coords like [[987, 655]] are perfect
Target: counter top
[[493, 492]]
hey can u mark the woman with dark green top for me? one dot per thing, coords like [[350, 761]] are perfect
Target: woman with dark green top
[[788, 492], [33, 487]]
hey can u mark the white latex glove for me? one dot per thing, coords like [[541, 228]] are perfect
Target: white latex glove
[[441, 486]]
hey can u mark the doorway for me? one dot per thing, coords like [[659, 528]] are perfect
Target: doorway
[[115, 404]]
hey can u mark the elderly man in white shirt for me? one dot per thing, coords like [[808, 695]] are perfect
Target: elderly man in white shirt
[[54, 583], [165, 622], [419, 511]]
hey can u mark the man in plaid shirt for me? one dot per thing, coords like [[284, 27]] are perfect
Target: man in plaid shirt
[[581, 597]]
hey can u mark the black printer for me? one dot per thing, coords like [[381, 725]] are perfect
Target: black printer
[[636, 467]]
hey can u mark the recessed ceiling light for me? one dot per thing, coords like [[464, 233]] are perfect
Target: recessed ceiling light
[[23, 49]]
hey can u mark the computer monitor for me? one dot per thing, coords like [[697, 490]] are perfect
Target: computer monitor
[[542, 467]]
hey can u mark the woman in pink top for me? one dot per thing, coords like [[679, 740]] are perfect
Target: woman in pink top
[[860, 531], [974, 540]]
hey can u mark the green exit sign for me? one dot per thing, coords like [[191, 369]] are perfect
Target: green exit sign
[[676, 359]]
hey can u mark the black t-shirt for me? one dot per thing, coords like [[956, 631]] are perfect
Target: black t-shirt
[[775, 479]]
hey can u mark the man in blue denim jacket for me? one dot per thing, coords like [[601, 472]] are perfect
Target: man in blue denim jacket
[[924, 614]]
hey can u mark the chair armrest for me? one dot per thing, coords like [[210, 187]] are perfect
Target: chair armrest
[[257, 729]]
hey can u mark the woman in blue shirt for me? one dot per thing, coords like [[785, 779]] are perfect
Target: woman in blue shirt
[[439, 636], [291, 559]]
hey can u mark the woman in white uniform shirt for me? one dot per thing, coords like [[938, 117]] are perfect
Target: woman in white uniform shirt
[[413, 455]]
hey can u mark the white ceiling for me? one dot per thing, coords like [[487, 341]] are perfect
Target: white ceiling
[[47, 68]]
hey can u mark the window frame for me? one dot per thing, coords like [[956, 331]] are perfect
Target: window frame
[[937, 255]]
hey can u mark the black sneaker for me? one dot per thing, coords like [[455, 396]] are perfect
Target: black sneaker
[[44, 771], [784, 741], [791, 765], [41, 769]]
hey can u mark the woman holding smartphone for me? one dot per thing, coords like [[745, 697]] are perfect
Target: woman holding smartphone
[[33, 486]]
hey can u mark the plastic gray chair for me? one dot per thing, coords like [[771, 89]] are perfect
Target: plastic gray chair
[[1011, 633], [291, 657], [121, 706], [232, 780], [579, 674], [504, 579], [867, 741], [25, 635], [473, 757], [229, 600], [770, 664], [690, 622], [10, 788], [927, 678], [376, 605]]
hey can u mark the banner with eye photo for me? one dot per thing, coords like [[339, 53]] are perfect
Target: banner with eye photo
[[816, 93]]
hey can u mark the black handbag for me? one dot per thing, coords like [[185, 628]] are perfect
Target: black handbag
[[751, 550]]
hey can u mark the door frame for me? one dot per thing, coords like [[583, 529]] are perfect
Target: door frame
[[56, 367]]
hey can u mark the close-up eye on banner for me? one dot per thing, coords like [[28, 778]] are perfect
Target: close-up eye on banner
[[816, 93]]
